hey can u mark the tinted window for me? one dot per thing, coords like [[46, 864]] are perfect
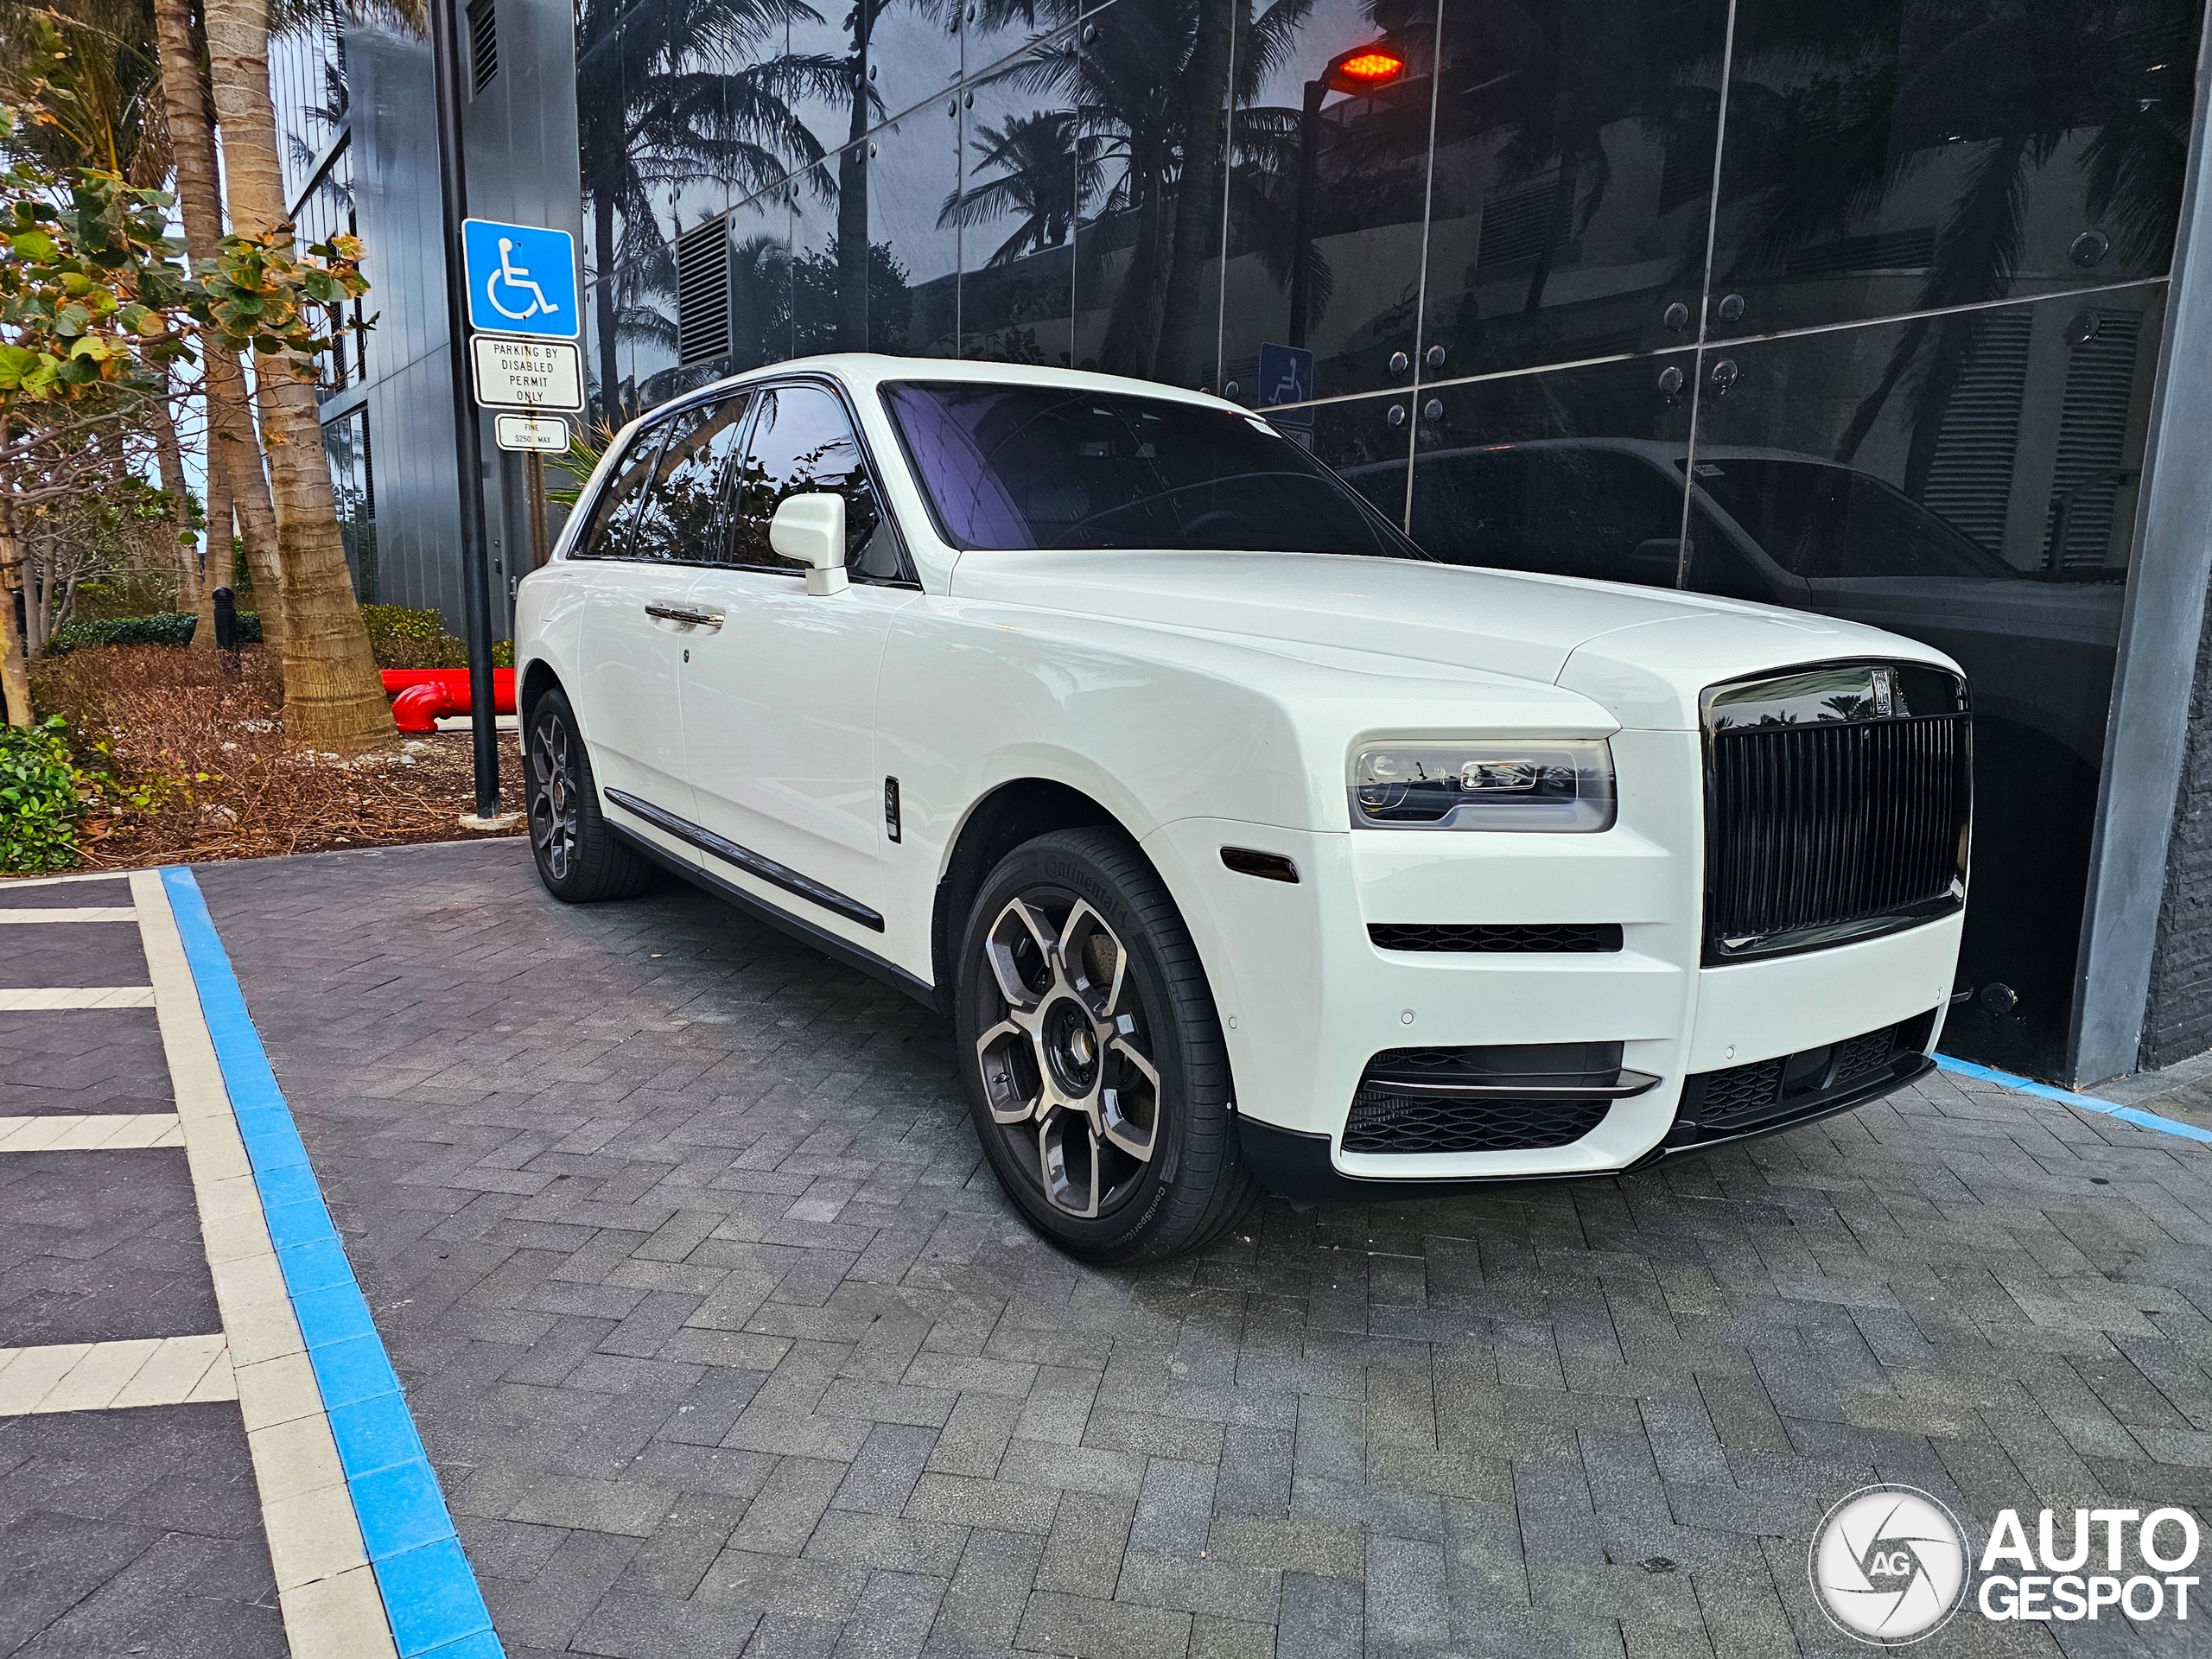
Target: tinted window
[[1566, 511], [1040, 466], [1815, 520], [681, 516], [803, 444], [607, 534]]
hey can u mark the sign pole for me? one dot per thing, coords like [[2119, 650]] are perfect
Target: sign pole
[[475, 553], [538, 546]]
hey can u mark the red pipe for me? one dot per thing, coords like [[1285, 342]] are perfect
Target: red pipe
[[424, 696]]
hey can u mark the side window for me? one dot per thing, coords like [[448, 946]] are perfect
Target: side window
[[802, 443], [681, 519], [607, 536]]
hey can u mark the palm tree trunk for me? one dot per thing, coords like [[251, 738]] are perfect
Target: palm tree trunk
[[333, 698], [1557, 219], [215, 564], [15, 675], [169, 457], [1197, 206], [852, 200], [610, 366], [233, 455]]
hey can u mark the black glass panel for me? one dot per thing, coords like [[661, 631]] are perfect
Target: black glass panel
[[1328, 177], [1368, 439], [1024, 163], [913, 176], [647, 323], [1574, 150], [1573, 472], [1153, 88], [1899, 156], [913, 54], [760, 281], [1971, 481], [828, 254]]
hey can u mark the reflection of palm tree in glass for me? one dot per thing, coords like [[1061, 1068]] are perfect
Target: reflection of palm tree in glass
[[1042, 173], [1138, 133], [674, 93], [2013, 91]]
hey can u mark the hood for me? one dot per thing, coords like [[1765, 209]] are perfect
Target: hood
[[1644, 653]]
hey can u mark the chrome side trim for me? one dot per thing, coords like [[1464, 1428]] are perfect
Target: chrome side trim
[[1628, 1084], [744, 858]]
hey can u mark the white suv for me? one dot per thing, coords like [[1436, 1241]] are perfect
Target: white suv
[[1245, 843]]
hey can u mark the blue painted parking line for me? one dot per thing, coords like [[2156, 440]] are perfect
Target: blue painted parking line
[[2134, 1115], [430, 1594]]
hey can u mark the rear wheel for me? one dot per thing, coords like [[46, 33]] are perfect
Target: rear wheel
[[580, 858], [1096, 1074]]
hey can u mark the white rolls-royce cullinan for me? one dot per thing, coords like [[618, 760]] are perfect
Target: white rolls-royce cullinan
[[1247, 845]]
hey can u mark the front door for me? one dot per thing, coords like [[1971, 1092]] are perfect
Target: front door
[[780, 704]]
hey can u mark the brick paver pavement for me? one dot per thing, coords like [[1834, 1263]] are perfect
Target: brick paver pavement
[[724, 1342]]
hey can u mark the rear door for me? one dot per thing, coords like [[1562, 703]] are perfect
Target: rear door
[[780, 704]]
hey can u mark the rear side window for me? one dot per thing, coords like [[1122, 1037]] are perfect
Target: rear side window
[[803, 444], [607, 536], [681, 519]]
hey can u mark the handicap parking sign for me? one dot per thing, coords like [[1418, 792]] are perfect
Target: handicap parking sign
[[1286, 376], [522, 279]]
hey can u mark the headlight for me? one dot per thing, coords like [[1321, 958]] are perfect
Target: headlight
[[1553, 786]]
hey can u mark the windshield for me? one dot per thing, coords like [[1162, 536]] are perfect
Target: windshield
[[1817, 521], [1017, 467]]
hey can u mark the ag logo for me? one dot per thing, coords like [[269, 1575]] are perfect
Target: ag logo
[[1889, 1565]]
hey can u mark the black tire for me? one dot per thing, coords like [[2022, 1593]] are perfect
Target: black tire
[[579, 860], [1056, 915]]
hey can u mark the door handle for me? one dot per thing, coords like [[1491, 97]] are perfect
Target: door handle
[[708, 620]]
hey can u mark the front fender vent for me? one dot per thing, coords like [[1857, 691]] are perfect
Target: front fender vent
[[1509, 1098], [1558, 938]]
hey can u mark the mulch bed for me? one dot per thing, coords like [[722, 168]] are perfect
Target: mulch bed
[[201, 770]]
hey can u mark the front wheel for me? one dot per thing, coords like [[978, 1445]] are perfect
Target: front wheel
[[1095, 1070]]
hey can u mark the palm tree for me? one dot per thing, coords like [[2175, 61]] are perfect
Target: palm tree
[[672, 95], [333, 698], [237, 487]]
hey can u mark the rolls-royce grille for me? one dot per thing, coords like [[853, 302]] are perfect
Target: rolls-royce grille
[[1838, 804], [1550, 939]]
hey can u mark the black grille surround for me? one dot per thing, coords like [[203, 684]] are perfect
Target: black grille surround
[[1765, 1095], [1838, 799], [1491, 1098], [1559, 938]]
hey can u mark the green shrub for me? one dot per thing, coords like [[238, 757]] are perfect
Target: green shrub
[[164, 628], [42, 792], [401, 637]]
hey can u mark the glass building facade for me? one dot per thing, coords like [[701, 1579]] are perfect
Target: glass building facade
[[1866, 310]]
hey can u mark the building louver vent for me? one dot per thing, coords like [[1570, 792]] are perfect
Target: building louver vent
[[702, 293], [483, 44], [1970, 475], [2086, 478], [1515, 223]]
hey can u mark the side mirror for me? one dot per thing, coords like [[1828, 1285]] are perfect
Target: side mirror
[[810, 530]]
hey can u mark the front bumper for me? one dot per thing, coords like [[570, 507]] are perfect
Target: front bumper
[[1304, 1167], [1308, 997]]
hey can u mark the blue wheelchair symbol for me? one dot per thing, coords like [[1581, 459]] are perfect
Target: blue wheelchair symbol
[[1286, 376], [522, 279]]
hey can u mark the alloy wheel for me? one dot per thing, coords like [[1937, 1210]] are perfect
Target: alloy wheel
[[553, 812], [1065, 1057]]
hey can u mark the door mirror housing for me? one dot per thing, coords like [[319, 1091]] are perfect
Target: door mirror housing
[[810, 530]]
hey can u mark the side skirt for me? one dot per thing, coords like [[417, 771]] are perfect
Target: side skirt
[[852, 955], [744, 858]]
